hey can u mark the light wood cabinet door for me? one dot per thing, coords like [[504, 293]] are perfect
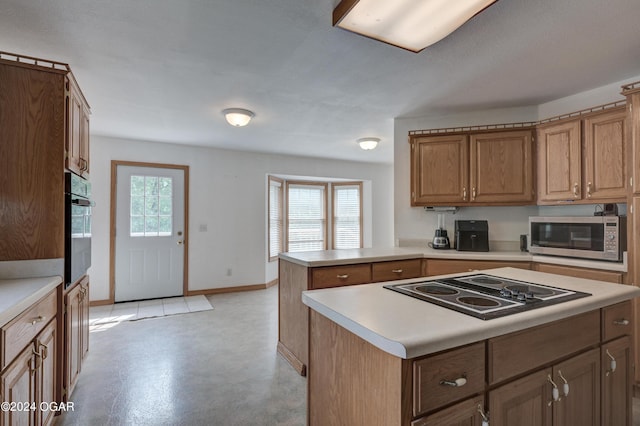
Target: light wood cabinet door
[[439, 170], [84, 318], [501, 168], [524, 402], [18, 385], [46, 361], [559, 161], [580, 377], [616, 384], [77, 132], [605, 147], [73, 333], [633, 138]]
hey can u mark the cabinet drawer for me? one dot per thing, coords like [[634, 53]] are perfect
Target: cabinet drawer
[[463, 413], [616, 321], [429, 374], [591, 274], [396, 270], [24, 328], [519, 352], [336, 276]]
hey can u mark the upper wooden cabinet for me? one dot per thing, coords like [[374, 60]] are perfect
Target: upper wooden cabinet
[[42, 116], [493, 168], [77, 134], [439, 170], [583, 160]]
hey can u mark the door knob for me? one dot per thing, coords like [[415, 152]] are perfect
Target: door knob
[[180, 242]]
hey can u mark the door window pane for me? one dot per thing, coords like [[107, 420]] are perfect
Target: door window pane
[[151, 212]]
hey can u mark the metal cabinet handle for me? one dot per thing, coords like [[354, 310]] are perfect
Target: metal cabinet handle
[[485, 418], [37, 319], [575, 190], [464, 194], [457, 383], [612, 365], [555, 392], [565, 386], [396, 271], [588, 189], [473, 193], [621, 322], [343, 276]]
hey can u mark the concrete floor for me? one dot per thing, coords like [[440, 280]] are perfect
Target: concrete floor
[[217, 367]]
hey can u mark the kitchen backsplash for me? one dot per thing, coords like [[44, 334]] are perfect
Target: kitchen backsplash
[[506, 223]]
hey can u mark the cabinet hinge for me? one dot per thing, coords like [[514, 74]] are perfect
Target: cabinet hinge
[[631, 209]]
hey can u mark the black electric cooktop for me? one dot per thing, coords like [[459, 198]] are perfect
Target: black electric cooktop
[[486, 296]]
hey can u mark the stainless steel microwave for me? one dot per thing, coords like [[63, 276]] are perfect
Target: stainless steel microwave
[[590, 237]]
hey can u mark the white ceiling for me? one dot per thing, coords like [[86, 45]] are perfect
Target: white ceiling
[[163, 70]]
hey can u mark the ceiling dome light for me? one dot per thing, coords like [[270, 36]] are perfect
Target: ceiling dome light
[[368, 143], [238, 117]]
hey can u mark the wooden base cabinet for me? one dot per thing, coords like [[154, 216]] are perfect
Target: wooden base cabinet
[[574, 371], [293, 315], [76, 333], [30, 378]]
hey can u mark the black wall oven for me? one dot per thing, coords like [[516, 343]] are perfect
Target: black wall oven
[[77, 212]]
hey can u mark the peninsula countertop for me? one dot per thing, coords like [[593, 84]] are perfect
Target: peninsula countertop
[[321, 258], [407, 327]]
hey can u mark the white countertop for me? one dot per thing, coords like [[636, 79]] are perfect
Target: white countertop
[[353, 256], [407, 327], [18, 294]]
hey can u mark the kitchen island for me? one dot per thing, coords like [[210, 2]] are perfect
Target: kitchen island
[[380, 357]]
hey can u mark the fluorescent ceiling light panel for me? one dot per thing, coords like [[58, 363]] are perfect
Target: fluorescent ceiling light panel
[[410, 24]]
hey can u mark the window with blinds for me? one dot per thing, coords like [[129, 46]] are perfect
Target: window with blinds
[[275, 217], [347, 215], [306, 216]]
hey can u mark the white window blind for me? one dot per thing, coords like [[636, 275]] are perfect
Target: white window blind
[[347, 216], [306, 216], [275, 217]]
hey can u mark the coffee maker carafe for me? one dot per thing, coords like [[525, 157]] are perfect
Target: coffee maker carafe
[[440, 240]]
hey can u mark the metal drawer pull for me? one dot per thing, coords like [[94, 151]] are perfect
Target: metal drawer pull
[[588, 189], [555, 393], [343, 276], [459, 382], [575, 190], [464, 194], [613, 364], [565, 386], [621, 322], [396, 271], [38, 319]]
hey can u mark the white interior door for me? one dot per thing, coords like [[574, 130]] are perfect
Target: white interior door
[[150, 238]]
